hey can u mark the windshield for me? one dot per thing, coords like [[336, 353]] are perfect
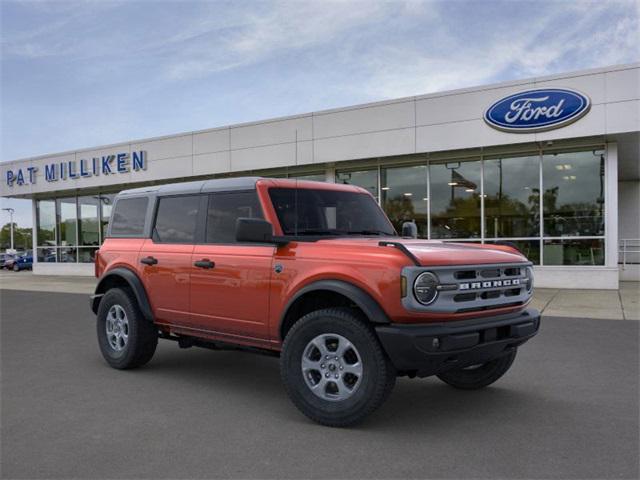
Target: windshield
[[328, 212]]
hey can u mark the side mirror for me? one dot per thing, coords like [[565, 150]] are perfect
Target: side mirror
[[256, 230], [253, 230]]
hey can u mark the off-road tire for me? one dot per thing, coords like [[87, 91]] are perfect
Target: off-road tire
[[142, 333], [378, 378], [480, 377]]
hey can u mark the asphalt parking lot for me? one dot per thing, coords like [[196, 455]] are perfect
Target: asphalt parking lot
[[567, 409]]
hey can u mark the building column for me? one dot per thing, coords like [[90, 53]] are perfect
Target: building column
[[34, 232], [330, 174], [611, 205]]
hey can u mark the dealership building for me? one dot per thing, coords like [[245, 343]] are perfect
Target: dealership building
[[550, 164]]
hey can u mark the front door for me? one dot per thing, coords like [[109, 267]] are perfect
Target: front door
[[165, 259], [230, 281]]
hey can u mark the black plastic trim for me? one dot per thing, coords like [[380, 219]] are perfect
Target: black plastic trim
[[362, 299], [400, 246], [136, 286], [428, 349]]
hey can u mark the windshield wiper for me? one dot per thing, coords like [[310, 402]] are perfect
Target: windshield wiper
[[319, 232], [369, 232], [343, 232]]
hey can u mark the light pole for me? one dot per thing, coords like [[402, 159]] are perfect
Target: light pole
[[11, 212]]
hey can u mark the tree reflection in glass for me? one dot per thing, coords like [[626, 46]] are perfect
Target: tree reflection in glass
[[512, 197], [455, 199], [404, 197], [573, 199]]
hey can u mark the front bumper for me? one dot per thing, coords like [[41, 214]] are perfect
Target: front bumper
[[426, 350]]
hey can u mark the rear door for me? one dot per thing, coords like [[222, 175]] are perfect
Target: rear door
[[165, 258], [230, 281]]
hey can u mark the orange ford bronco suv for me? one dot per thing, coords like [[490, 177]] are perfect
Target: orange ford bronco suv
[[315, 273]]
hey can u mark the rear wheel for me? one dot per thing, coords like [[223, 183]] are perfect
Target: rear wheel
[[334, 368], [126, 338], [479, 376], [16, 268]]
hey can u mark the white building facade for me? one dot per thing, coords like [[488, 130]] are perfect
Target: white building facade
[[551, 165]]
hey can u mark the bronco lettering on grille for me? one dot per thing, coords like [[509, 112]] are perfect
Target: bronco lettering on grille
[[489, 284]]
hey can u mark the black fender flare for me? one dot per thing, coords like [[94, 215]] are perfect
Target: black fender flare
[[134, 283], [357, 295]]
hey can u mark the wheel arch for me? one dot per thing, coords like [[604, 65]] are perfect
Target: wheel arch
[[122, 277], [324, 294]]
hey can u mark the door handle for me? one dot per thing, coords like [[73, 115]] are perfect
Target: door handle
[[204, 263], [149, 260]]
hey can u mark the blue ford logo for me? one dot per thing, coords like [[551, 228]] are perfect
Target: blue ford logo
[[537, 110]]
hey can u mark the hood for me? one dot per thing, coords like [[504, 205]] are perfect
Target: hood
[[441, 253], [435, 252]]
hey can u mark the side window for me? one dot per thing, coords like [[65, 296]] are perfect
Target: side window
[[176, 219], [225, 209], [128, 217]]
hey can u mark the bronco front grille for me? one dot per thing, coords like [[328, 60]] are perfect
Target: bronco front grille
[[474, 287]]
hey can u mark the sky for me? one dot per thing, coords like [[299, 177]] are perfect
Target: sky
[[86, 73]]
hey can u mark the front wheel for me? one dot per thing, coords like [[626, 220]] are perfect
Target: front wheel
[[479, 376], [125, 337], [334, 368], [16, 268]]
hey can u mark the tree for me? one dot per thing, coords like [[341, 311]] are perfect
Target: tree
[[22, 237]]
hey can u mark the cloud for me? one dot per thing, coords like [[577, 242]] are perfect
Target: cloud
[[100, 72], [52, 29], [259, 36], [558, 39]]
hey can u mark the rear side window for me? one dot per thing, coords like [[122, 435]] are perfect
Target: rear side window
[[176, 219], [128, 217], [224, 209]]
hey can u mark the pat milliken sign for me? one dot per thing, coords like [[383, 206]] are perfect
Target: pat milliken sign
[[537, 110], [117, 163]]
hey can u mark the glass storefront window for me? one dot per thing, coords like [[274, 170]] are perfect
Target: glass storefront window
[[404, 197], [46, 222], [67, 221], [512, 197], [88, 221], [67, 254], [455, 199], [530, 248], [47, 255], [570, 231], [106, 202], [315, 177], [573, 198], [367, 179], [87, 254], [574, 252]]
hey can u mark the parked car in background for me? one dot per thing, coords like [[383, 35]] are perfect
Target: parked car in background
[[6, 260], [23, 262]]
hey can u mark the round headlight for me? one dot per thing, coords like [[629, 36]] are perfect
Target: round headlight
[[425, 288], [529, 274]]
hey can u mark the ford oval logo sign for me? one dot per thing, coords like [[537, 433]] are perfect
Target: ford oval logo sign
[[537, 110]]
